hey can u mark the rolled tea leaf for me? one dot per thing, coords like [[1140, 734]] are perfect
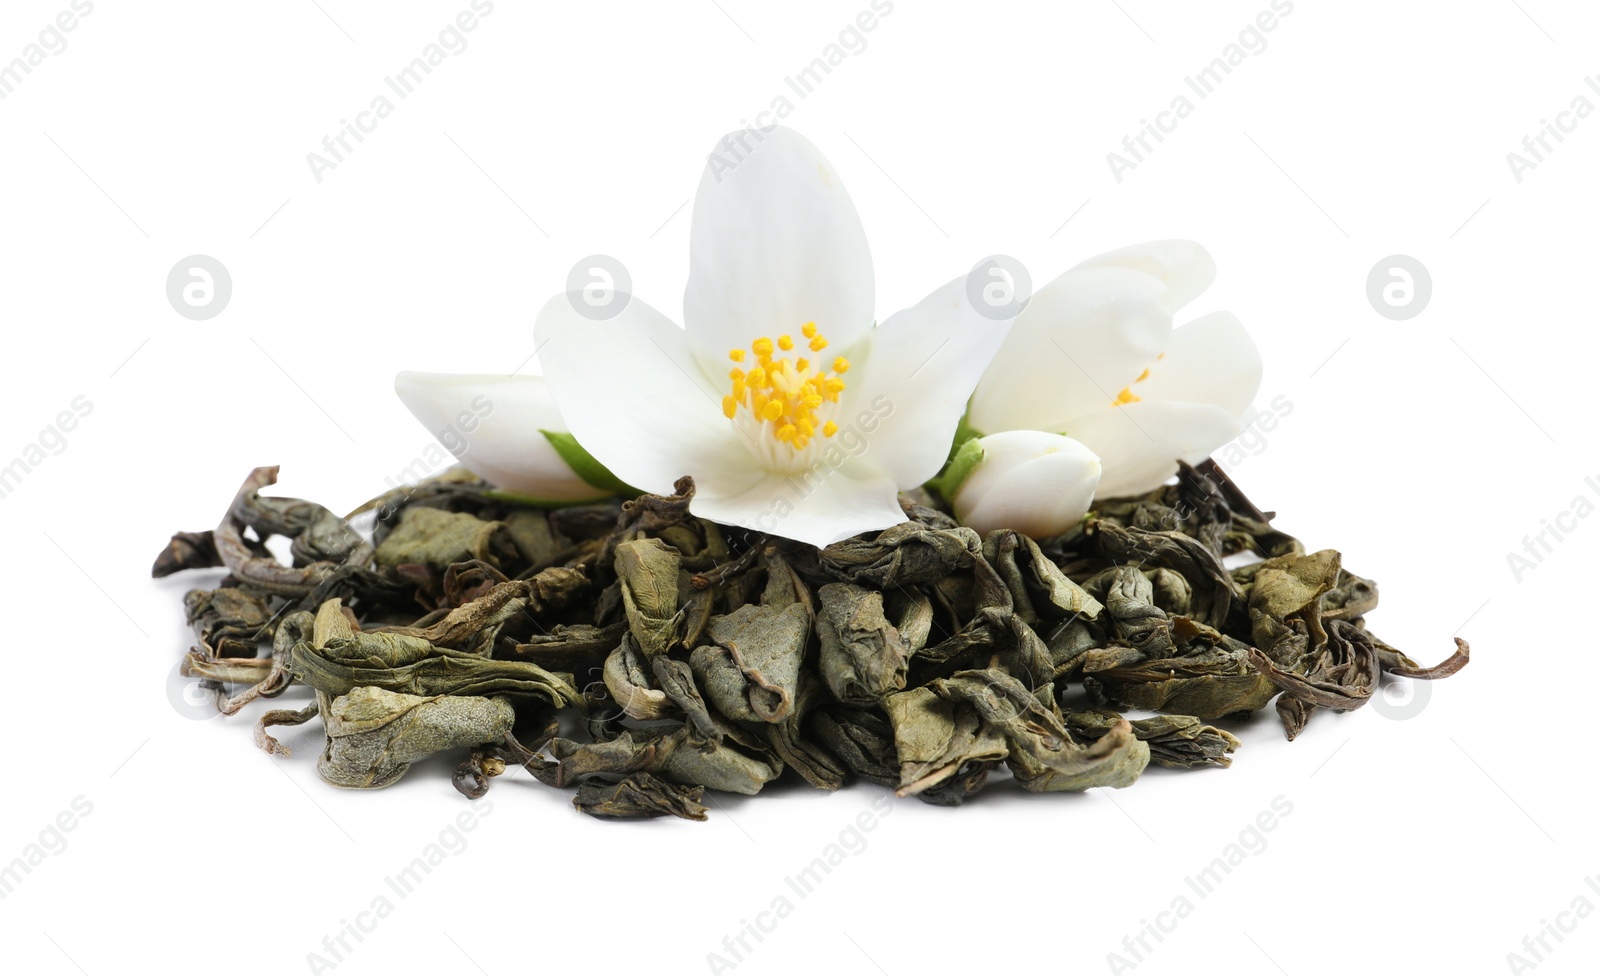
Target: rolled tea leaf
[[863, 657], [1038, 587], [639, 796], [630, 680], [445, 673], [375, 735], [908, 554], [935, 737], [649, 573], [1043, 756], [672, 754], [751, 673], [1176, 741], [435, 538]]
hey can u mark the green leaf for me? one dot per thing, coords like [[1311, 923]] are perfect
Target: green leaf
[[584, 465], [964, 433], [950, 480]]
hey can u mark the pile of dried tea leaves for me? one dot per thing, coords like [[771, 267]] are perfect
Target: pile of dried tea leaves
[[688, 656]]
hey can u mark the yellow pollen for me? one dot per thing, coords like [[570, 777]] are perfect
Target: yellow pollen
[[1126, 396], [1143, 376], [785, 396]]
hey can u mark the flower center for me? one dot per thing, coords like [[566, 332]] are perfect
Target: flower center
[[785, 402], [1127, 395]]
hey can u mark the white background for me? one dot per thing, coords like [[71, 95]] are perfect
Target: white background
[[1424, 449]]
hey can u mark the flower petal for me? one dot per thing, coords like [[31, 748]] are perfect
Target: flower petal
[[1141, 443], [1184, 268], [1036, 483], [492, 424], [819, 509], [1080, 340], [1211, 360], [630, 392], [775, 243], [907, 396]]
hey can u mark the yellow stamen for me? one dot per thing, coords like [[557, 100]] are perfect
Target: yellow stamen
[[787, 397]]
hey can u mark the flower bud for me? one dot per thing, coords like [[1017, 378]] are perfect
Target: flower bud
[[1037, 483]]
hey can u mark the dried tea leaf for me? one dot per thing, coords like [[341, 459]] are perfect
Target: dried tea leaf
[[1038, 587], [863, 657], [751, 673], [445, 673], [639, 796], [935, 737], [1043, 757], [435, 538], [374, 735], [649, 573], [672, 754], [1176, 741]]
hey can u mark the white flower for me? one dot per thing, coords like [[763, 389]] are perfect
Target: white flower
[[1094, 356], [505, 429], [793, 413], [1037, 483]]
